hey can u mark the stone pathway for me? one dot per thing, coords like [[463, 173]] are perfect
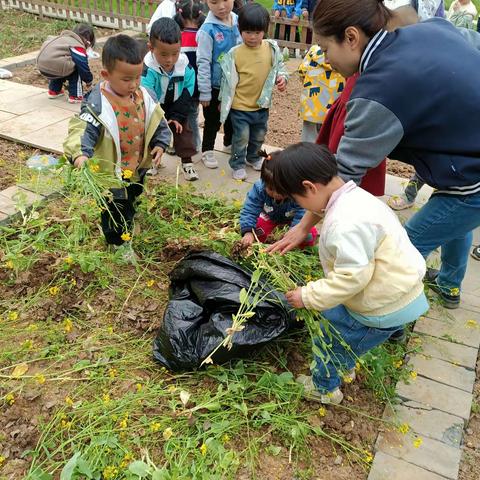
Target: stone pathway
[[436, 404]]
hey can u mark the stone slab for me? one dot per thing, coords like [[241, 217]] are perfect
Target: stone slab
[[436, 395], [448, 351], [455, 329], [386, 467], [471, 301], [3, 218], [4, 116], [431, 455], [443, 372], [49, 138], [431, 423], [470, 283]]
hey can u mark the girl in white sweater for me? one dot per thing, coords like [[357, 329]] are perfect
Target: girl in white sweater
[[373, 274]]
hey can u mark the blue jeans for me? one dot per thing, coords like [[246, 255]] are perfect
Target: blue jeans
[[446, 221], [193, 121], [357, 336], [249, 130], [74, 84]]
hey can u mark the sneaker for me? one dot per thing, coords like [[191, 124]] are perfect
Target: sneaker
[[476, 252], [240, 174], [170, 150], [311, 393], [400, 336], [450, 297], [256, 165], [53, 94], [189, 172], [151, 172], [75, 99], [209, 160], [399, 202]]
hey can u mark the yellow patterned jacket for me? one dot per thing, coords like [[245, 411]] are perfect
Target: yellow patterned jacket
[[321, 86]]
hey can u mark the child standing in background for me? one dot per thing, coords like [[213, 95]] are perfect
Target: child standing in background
[[64, 59], [190, 18], [218, 34], [169, 75], [249, 74], [321, 87]]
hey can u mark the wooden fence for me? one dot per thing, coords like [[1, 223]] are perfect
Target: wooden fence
[[135, 15]]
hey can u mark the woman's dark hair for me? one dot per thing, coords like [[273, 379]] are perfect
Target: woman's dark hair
[[85, 31], [165, 30], [332, 17], [189, 10], [286, 170], [253, 17], [121, 48]]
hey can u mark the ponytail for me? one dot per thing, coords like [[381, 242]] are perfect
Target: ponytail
[[189, 10]]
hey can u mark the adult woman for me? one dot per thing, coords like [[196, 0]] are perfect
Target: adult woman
[[412, 102]]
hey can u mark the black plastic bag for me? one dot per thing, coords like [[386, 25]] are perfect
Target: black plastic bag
[[204, 294]]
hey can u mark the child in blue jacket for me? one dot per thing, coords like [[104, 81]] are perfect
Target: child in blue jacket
[[264, 210], [168, 74]]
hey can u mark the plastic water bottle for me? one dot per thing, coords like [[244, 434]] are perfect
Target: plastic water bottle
[[286, 54]]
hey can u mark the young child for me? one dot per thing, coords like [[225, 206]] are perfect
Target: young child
[[462, 13], [169, 75], [124, 128], [373, 274], [321, 87], [166, 8], [190, 18], [64, 59], [264, 210], [218, 34], [288, 8], [249, 73]]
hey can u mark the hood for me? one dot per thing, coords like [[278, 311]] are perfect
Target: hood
[[178, 71], [69, 33], [211, 18]]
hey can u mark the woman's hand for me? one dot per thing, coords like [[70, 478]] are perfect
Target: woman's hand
[[294, 298]]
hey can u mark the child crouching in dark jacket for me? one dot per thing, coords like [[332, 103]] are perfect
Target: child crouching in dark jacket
[[264, 210]]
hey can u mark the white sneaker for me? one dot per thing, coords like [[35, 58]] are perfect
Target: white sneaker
[[311, 393], [189, 172], [399, 202], [240, 174], [256, 165], [209, 160]]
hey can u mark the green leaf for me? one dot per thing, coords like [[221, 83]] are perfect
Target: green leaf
[[39, 474], [84, 468], [243, 296], [256, 276], [69, 468], [161, 475], [274, 450], [139, 468]]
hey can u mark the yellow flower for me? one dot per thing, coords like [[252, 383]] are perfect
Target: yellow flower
[[27, 344], [13, 315], [222, 173], [404, 428], [472, 324], [138, 387], [155, 426], [106, 398], [112, 373], [368, 457], [127, 459], [40, 379], [167, 433], [68, 260], [53, 291], [455, 291], [417, 442], [347, 379], [127, 173], [110, 329], [10, 398], [69, 401], [322, 411], [413, 374], [2, 460], [123, 423], [237, 204], [172, 388], [73, 282], [126, 237], [32, 327], [67, 325], [225, 438], [66, 424], [150, 283], [109, 472], [9, 264], [94, 168], [358, 366], [203, 449]]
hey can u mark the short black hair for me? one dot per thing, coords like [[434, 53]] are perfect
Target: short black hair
[[165, 30], [121, 48], [286, 170], [253, 17], [85, 31]]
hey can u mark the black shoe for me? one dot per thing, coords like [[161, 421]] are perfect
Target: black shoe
[[476, 252], [400, 336], [450, 297]]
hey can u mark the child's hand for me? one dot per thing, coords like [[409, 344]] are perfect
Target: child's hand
[[294, 298], [79, 161], [204, 103], [277, 13], [177, 125], [281, 84], [157, 153], [247, 239]]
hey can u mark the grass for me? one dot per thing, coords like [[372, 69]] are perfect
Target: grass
[[76, 329]]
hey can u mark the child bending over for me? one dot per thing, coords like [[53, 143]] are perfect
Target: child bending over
[[264, 210], [172, 80], [64, 59], [123, 127], [249, 74], [373, 274]]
